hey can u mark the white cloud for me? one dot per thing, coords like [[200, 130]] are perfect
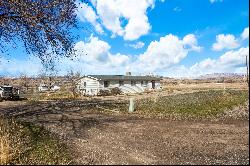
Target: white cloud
[[95, 56], [245, 33], [118, 60], [137, 45], [92, 57], [109, 14], [86, 13], [230, 61], [159, 54], [97, 52], [168, 51], [162, 57], [213, 1], [12, 67], [191, 41], [227, 41], [177, 9], [134, 11], [123, 18]]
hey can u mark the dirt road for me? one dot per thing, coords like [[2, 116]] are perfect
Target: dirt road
[[98, 138]]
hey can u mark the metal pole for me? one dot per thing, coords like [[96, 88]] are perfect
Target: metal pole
[[247, 69]]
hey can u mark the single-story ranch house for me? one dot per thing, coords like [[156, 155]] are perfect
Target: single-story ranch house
[[92, 84]]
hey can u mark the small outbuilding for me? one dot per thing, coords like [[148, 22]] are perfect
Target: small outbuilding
[[92, 84], [44, 87]]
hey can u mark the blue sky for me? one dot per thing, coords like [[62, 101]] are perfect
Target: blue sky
[[176, 38]]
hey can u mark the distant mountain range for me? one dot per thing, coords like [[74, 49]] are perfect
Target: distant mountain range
[[221, 75]]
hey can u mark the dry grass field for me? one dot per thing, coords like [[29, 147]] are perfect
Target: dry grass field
[[24, 143], [204, 86]]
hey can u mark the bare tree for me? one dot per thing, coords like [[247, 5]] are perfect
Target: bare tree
[[73, 77], [24, 82], [42, 25], [7, 81], [51, 72]]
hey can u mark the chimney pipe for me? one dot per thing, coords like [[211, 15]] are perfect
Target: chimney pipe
[[128, 73]]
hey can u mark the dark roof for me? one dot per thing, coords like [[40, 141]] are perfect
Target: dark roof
[[124, 77]]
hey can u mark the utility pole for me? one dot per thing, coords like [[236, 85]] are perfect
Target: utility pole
[[247, 70]]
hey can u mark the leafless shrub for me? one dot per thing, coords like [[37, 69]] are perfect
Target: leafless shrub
[[115, 91], [73, 78], [104, 93]]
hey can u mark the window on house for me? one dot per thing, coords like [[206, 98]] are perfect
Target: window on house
[[85, 84], [121, 83], [106, 84], [133, 83], [141, 83]]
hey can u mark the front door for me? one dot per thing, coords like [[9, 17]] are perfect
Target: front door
[[153, 84]]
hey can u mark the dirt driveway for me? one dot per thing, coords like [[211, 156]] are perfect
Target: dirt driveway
[[100, 138]]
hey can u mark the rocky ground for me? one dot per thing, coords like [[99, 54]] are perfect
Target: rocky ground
[[115, 138]]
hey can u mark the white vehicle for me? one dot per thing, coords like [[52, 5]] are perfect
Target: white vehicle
[[55, 88]]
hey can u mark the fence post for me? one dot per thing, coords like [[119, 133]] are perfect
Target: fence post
[[131, 105]]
